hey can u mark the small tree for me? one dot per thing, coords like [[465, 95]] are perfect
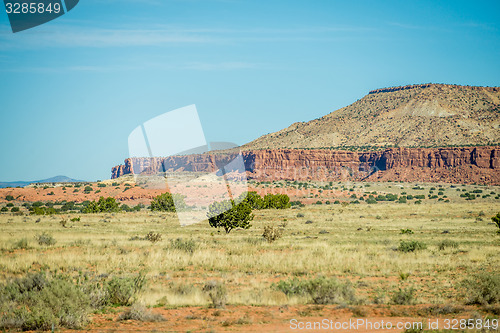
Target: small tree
[[107, 205], [277, 201], [253, 199], [227, 215], [496, 220], [168, 202]]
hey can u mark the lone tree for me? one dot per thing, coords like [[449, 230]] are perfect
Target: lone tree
[[167, 202], [228, 215], [496, 220]]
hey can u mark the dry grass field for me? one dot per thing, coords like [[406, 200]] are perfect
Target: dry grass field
[[396, 260]]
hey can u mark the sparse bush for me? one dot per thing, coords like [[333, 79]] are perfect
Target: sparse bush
[[21, 244], [379, 297], [188, 246], [496, 220], [404, 296], [153, 237], [217, 293], [38, 302], [122, 290], [45, 239], [168, 202], [140, 313], [411, 246], [407, 231], [228, 216], [300, 215], [447, 243], [272, 233], [321, 290], [482, 288]]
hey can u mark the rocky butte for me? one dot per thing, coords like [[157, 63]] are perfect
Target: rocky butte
[[424, 133]]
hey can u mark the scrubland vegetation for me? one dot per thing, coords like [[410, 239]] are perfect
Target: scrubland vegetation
[[353, 255]]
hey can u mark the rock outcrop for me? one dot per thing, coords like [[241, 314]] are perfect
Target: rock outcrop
[[466, 165], [421, 115]]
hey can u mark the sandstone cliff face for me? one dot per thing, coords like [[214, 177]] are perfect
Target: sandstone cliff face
[[455, 165]]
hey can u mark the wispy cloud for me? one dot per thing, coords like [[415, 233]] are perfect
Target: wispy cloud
[[72, 36], [195, 66]]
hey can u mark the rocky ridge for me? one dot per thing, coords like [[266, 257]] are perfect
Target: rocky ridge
[[424, 115], [465, 165]]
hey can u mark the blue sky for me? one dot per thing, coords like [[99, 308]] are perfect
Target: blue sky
[[72, 90]]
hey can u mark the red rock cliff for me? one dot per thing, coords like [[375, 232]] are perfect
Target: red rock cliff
[[454, 165]]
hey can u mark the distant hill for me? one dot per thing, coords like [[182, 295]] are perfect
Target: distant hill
[[56, 179], [424, 115]]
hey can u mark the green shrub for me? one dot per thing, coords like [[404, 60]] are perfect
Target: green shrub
[[277, 201], [188, 246], [407, 231], [21, 244], [122, 290], [9, 197], [39, 302], [45, 239], [42, 210], [153, 237], [4, 209], [217, 293], [447, 243], [404, 296], [482, 288], [107, 205], [167, 202], [496, 220], [140, 313], [411, 246], [272, 233], [253, 199], [321, 290], [228, 216]]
